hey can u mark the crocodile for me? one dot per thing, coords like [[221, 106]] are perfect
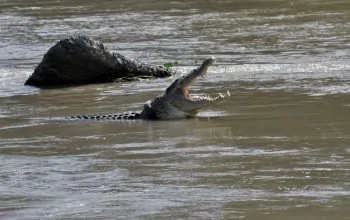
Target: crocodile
[[175, 103]]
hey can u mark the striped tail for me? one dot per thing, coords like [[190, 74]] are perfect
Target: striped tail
[[110, 117]]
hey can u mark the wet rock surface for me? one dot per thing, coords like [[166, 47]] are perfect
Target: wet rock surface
[[78, 60]]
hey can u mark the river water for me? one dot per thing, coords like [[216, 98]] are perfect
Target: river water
[[278, 149]]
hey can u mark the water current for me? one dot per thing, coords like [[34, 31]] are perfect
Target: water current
[[278, 149]]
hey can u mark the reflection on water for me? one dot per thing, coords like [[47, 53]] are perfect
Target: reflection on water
[[278, 149]]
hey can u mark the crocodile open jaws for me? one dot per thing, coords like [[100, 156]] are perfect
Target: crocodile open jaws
[[175, 103]]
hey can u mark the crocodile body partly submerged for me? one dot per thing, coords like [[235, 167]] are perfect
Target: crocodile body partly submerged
[[175, 103]]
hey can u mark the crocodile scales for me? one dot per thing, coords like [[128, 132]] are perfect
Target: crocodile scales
[[175, 103]]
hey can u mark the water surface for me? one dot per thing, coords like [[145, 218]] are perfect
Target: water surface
[[278, 149]]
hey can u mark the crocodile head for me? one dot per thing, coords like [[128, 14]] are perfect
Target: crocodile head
[[177, 102]]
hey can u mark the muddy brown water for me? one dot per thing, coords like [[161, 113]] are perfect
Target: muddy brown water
[[278, 149]]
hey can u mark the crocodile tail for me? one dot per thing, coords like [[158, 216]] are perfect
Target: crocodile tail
[[109, 117]]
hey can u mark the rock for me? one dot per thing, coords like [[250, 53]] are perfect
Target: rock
[[79, 60]]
